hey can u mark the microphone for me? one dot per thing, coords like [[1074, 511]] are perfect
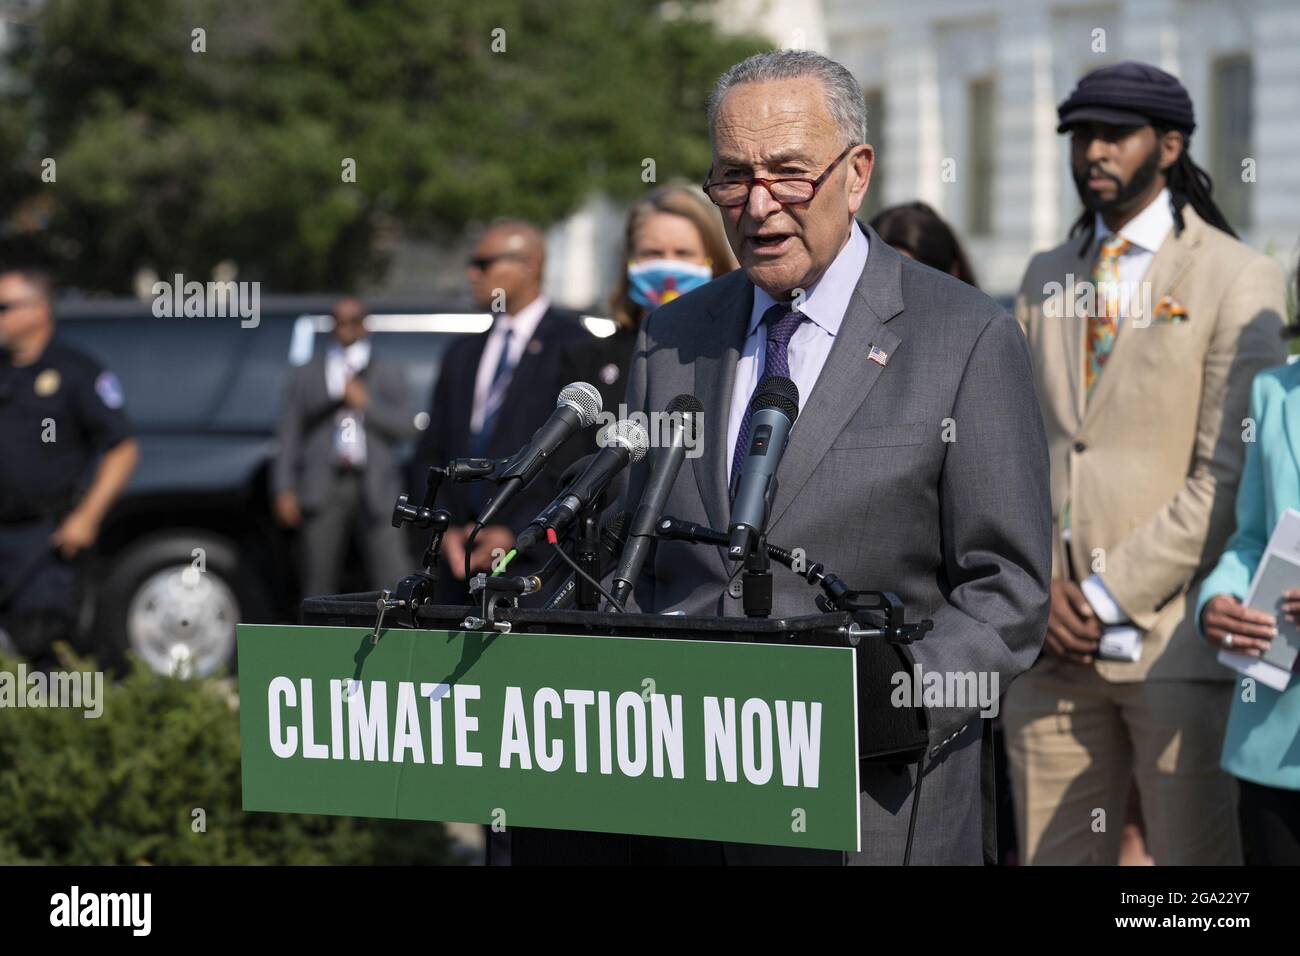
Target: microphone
[[622, 443], [683, 421], [612, 537], [773, 411], [578, 406], [609, 494]]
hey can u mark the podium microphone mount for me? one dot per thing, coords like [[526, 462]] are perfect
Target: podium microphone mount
[[419, 587], [835, 596]]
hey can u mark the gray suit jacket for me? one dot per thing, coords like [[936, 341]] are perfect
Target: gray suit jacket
[[305, 435], [926, 476]]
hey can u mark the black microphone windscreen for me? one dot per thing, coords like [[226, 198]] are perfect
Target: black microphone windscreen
[[779, 392], [685, 403], [615, 529], [689, 409]]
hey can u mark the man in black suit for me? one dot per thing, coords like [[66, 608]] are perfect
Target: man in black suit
[[495, 389]]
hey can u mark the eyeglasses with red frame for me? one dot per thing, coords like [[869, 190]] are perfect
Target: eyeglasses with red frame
[[785, 191]]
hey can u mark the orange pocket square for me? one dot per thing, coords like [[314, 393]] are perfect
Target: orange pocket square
[[1169, 309]]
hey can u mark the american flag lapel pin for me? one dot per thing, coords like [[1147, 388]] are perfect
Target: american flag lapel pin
[[878, 355]]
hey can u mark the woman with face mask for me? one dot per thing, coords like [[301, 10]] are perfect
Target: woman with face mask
[[673, 244]]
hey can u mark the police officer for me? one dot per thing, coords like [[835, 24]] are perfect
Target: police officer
[[66, 452]]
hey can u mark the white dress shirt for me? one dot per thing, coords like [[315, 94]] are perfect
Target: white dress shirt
[[824, 304], [519, 328], [341, 366], [1145, 233]]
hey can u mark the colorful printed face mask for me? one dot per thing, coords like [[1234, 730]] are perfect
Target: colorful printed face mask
[[656, 281]]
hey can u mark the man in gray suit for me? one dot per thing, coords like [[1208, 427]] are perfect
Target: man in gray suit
[[336, 472], [918, 462]]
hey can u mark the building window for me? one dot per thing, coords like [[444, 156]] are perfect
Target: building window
[[1230, 144], [979, 151], [875, 200]]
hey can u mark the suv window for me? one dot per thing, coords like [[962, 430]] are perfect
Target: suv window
[[213, 374], [179, 372]]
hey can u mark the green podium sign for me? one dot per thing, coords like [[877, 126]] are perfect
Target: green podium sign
[[753, 743]]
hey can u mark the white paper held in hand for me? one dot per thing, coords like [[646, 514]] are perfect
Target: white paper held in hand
[[1278, 570]]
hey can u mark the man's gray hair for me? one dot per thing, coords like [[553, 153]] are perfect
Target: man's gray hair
[[844, 100]]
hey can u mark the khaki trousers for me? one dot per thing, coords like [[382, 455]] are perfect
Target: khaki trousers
[[1075, 741]]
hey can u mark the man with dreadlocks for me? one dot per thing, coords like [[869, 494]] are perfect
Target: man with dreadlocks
[[1146, 327]]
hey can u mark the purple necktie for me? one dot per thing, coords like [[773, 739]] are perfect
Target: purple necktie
[[781, 320]]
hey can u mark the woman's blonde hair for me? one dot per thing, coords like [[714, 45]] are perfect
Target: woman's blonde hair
[[678, 200]]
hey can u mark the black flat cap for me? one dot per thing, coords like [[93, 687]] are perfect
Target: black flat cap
[[1128, 94]]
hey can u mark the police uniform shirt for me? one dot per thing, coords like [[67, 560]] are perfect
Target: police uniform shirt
[[57, 417]]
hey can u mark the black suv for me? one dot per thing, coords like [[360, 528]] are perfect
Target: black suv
[[192, 548]]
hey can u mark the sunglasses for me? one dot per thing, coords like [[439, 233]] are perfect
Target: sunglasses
[[483, 263], [16, 303]]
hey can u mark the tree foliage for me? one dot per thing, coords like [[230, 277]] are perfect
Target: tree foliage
[[177, 160], [122, 789]]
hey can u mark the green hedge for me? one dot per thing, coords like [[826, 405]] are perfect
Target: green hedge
[[122, 788]]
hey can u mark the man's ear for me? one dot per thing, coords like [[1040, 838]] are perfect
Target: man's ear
[[1171, 146], [861, 163]]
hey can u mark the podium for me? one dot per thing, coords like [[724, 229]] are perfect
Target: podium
[[592, 737], [895, 734]]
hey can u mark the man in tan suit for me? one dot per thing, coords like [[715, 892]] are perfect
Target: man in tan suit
[[1145, 328]]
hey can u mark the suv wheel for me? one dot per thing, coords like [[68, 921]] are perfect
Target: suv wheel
[[176, 617]]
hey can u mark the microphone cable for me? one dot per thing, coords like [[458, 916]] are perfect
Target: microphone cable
[[554, 541], [916, 803], [469, 546], [505, 562]]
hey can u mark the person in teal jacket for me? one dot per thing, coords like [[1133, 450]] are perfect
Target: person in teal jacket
[[1261, 746]]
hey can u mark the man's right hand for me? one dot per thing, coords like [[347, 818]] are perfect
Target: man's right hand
[[1073, 628], [287, 511], [453, 549]]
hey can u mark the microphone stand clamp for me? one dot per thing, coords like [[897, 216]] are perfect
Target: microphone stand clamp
[[838, 596], [502, 590], [757, 581], [757, 577], [419, 587]]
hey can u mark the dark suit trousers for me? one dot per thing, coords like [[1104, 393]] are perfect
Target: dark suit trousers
[[1270, 824], [327, 531]]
